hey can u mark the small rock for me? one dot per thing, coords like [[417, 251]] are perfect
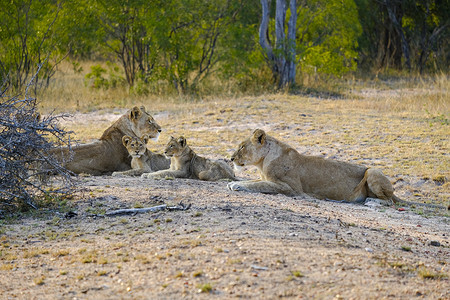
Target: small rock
[[435, 243], [70, 214], [369, 250], [259, 268], [372, 202]]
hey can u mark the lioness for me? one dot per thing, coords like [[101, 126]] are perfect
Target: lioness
[[184, 163], [108, 153], [143, 160], [283, 170]]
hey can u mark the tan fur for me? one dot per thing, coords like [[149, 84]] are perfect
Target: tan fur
[[283, 170], [185, 163], [108, 153], [142, 159]]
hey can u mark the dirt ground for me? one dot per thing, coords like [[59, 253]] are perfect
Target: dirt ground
[[242, 245]]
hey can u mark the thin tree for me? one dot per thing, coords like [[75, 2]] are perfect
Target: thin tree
[[281, 54], [27, 39], [395, 13]]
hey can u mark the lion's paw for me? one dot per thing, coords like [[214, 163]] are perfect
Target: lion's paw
[[235, 186], [147, 175], [117, 174]]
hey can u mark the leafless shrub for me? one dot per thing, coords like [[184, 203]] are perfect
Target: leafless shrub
[[26, 140]]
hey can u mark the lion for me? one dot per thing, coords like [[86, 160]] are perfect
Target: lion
[[108, 154], [185, 163], [285, 171], [143, 160]]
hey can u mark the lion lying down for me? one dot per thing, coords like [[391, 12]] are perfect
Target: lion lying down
[[142, 159], [185, 163], [283, 170], [108, 154]]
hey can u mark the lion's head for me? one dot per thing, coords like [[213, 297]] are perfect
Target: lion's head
[[135, 146], [252, 150], [142, 123], [175, 147]]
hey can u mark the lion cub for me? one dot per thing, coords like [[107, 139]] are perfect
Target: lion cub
[[184, 163], [143, 160]]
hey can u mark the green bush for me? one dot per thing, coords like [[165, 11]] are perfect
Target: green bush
[[96, 78]]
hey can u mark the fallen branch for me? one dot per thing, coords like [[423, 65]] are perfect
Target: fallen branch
[[134, 211], [180, 206]]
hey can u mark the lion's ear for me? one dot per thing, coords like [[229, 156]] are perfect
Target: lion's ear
[[259, 136], [135, 113], [125, 140], [182, 141], [145, 138]]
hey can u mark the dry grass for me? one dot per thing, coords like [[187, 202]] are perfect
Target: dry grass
[[430, 274], [69, 93]]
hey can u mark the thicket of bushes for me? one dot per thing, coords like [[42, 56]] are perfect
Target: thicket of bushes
[[181, 42]]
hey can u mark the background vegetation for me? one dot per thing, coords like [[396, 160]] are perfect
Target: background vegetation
[[198, 47]]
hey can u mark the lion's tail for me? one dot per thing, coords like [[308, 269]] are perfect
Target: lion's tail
[[397, 200]]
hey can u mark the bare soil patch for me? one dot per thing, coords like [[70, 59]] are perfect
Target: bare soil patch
[[235, 244]]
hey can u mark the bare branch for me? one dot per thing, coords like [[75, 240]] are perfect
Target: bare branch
[[25, 160], [133, 211]]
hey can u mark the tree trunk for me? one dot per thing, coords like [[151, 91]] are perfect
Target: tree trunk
[[395, 15], [282, 60], [280, 43], [427, 40], [381, 51], [292, 29], [264, 35]]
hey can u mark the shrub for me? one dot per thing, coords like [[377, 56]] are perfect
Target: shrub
[[96, 78], [26, 140]]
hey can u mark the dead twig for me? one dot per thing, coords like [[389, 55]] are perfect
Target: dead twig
[[134, 211]]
